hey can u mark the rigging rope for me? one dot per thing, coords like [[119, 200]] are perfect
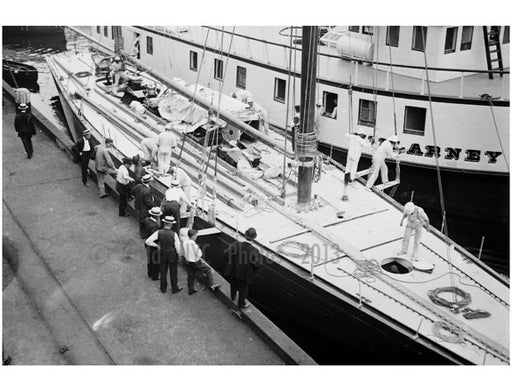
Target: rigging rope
[[438, 169], [489, 98]]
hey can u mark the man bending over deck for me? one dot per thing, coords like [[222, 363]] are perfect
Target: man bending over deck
[[416, 219]]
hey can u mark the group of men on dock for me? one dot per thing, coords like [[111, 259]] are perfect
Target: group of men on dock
[[165, 241]]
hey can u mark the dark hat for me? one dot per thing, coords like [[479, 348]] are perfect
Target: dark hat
[[147, 178], [127, 160], [251, 234], [108, 140], [86, 132], [169, 220]]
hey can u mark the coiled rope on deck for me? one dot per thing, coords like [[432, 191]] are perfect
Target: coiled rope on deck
[[303, 248], [448, 333], [455, 305]]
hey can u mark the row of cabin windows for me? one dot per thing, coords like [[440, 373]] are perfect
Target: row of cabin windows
[[414, 116], [105, 31], [414, 121], [419, 37]]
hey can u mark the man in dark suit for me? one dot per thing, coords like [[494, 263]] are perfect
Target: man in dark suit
[[243, 261], [25, 128], [150, 225], [169, 250], [83, 152], [144, 199]]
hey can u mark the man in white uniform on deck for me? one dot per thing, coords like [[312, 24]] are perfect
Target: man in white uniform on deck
[[166, 144], [385, 150], [262, 113], [357, 143], [416, 219], [178, 174], [242, 95], [149, 147]]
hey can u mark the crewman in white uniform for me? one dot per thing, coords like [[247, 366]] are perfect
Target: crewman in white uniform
[[357, 143], [242, 95], [166, 145], [178, 174], [149, 147], [385, 150], [262, 113], [416, 219]]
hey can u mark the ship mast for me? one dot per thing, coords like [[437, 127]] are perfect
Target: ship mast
[[306, 148]]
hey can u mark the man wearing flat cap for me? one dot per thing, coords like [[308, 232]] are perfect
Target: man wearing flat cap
[[144, 199], [123, 181], [149, 226], [83, 153], [243, 262], [169, 247]]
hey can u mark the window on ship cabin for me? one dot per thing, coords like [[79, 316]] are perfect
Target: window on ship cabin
[[419, 38], [193, 60], [354, 29], [330, 105], [414, 121], [368, 30], [450, 42], [149, 45], [367, 112], [279, 90], [218, 71], [467, 38], [98, 29], [506, 35], [241, 74], [392, 35], [105, 31], [112, 32]]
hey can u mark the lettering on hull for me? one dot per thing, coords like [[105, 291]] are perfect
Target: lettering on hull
[[452, 153]]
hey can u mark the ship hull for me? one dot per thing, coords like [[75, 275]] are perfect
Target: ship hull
[[330, 324]]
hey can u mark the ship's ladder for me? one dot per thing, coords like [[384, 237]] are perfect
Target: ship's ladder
[[493, 50]]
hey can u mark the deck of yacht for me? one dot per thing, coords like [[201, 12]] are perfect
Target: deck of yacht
[[342, 248]]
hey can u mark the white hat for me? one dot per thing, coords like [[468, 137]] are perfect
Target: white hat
[[409, 208], [393, 138], [155, 211], [175, 182], [233, 143], [168, 126], [319, 102], [169, 220]]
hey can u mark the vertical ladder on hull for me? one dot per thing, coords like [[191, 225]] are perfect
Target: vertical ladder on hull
[[493, 50]]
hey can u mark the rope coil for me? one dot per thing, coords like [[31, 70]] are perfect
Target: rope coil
[[455, 305], [304, 249], [444, 331]]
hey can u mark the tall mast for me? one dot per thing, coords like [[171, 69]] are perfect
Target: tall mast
[[306, 136], [118, 39]]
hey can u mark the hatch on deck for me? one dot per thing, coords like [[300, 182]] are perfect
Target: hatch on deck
[[396, 265]]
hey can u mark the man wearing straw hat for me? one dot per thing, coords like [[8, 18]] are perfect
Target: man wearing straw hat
[[169, 247], [149, 226], [171, 204], [144, 199]]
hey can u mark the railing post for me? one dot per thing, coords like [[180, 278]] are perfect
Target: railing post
[[356, 76], [312, 272], [387, 79], [481, 247], [418, 329], [360, 294], [422, 85]]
